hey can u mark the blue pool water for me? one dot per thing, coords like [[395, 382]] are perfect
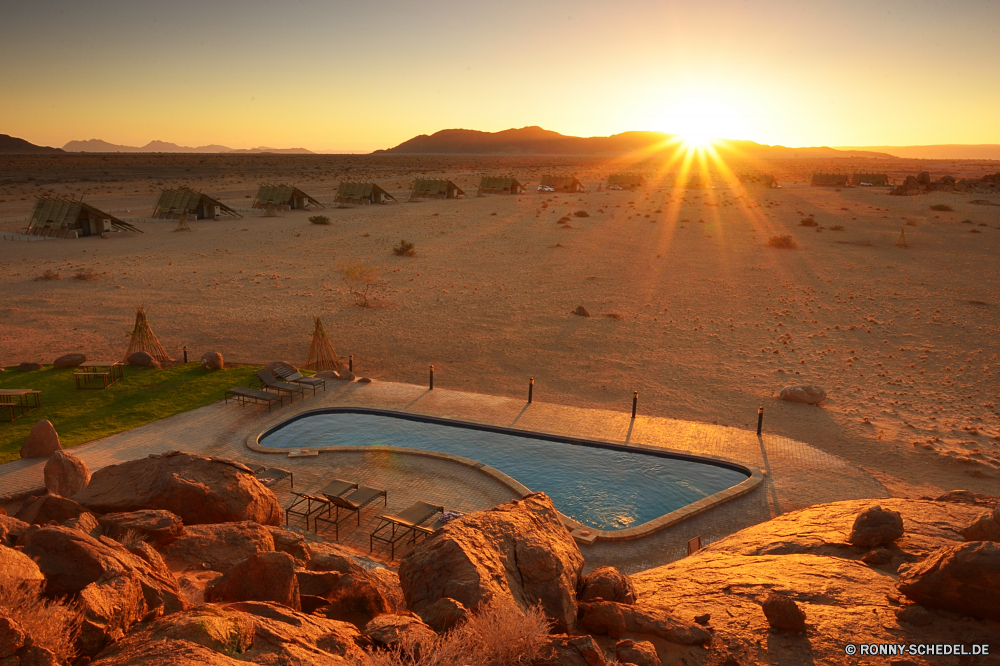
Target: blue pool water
[[605, 488]]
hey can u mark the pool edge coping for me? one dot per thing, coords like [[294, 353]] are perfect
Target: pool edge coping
[[754, 479]]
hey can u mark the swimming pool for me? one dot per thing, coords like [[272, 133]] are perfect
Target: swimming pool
[[603, 486]]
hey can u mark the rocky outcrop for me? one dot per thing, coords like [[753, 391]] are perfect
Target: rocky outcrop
[[808, 394], [10, 529], [614, 619], [519, 550], [876, 526], [19, 648], [160, 528], [783, 614], [356, 597], [69, 361], [17, 569], [922, 183], [289, 542], [143, 360], [389, 631], [199, 489], [563, 650], [608, 584], [964, 579], [334, 557], [986, 527], [49, 508], [217, 547], [65, 474], [444, 615], [581, 311], [42, 441], [640, 653], [212, 361], [260, 577]]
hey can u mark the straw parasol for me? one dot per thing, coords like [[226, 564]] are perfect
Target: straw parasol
[[322, 355], [143, 338]]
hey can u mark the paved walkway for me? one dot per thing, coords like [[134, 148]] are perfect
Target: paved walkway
[[796, 474]]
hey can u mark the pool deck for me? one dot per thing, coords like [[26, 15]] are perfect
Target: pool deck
[[795, 474]]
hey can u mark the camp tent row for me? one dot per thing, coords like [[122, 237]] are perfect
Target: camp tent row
[[283, 197], [563, 183], [66, 218], [185, 202], [753, 177], [499, 185], [435, 188], [829, 180], [361, 193], [626, 181], [876, 179]]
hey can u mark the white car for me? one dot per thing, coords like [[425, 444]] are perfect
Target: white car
[[616, 187], [546, 188]]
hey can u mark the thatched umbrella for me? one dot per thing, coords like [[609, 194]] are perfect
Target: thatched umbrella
[[322, 355], [143, 338]]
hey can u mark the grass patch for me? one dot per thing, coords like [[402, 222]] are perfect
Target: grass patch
[[782, 242], [942, 207], [808, 222], [142, 396], [49, 274], [319, 219]]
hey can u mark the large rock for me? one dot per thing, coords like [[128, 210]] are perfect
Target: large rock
[[65, 474], [986, 527], [924, 178], [11, 528], [212, 361], [217, 547], [614, 619], [563, 650], [963, 578], [18, 569], [198, 489], [143, 360], [609, 584], [29, 366], [640, 653], [19, 648], [389, 631], [49, 508], [69, 361], [355, 597], [164, 652], [287, 541], [876, 526], [114, 588], [334, 557], [444, 615], [42, 441], [807, 394], [519, 550], [158, 527], [260, 577], [783, 613]]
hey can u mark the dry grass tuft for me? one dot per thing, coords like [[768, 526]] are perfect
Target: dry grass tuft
[[783, 242], [837, 227], [942, 207], [49, 274], [129, 538], [52, 625], [613, 315], [404, 249], [319, 219], [581, 213], [808, 222], [85, 274]]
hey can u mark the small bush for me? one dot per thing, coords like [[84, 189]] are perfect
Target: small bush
[[563, 220], [319, 219], [49, 274], [129, 538], [84, 274], [404, 249], [942, 207], [837, 227], [363, 281], [783, 242], [808, 222], [966, 221], [52, 625], [581, 213]]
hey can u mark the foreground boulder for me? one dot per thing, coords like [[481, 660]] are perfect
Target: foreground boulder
[[29, 366], [292, 543], [444, 615], [65, 474], [810, 395], [217, 547], [45, 509], [159, 528], [986, 527], [260, 577], [963, 578], [563, 650], [783, 613], [69, 361], [18, 569], [19, 648], [519, 550], [640, 653], [199, 489], [357, 597], [614, 619], [10, 529], [212, 361], [608, 584], [42, 441], [143, 360], [876, 526], [389, 631]]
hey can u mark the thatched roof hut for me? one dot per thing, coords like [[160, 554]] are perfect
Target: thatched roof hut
[[870, 179], [283, 197], [626, 181], [66, 218], [435, 188], [498, 185], [361, 193], [185, 202], [829, 180], [563, 183]]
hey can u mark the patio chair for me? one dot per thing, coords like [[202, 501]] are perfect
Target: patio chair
[[314, 504], [361, 497], [267, 381], [244, 394], [271, 476], [408, 522], [286, 375]]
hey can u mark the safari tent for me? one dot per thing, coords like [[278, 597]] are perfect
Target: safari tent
[[283, 197], [757, 178], [362, 193], [435, 188], [829, 180], [563, 183], [626, 181], [173, 204], [870, 179], [498, 185], [66, 218]]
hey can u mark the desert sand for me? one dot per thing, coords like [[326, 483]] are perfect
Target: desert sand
[[689, 304]]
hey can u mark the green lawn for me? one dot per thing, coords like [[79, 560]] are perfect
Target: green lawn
[[142, 396]]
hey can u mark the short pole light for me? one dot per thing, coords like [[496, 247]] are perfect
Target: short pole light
[[432, 378], [760, 418], [185, 353], [350, 362], [635, 402], [531, 387]]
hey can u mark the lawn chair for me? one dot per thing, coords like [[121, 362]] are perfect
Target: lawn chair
[[406, 523], [361, 497], [271, 476], [286, 375], [314, 504], [267, 381], [243, 395]]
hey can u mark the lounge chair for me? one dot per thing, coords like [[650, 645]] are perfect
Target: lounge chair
[[244, 394], [271, 476], [358, 499], [405, 523], [267, 381], [286, 375], [314, 504]]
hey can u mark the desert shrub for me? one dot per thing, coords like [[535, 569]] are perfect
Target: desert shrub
[[52, 625], [49, 274], [404, 249], [613, 315], [129, 538], [784, 242], [85, 274], [966, 221], [910, 223], [942, 207], [563, 220], [837, 227], [363, 281], [581, 213], [497, 634], [319, 219], [808, 222]]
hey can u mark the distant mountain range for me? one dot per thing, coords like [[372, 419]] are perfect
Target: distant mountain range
[[981, 151], [13, 145], [538, 141], [99, 146]]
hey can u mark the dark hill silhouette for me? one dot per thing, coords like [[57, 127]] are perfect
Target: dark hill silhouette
[[13, 145], [99, 146]]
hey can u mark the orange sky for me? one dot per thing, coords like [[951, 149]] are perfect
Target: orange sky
[[360, 76]]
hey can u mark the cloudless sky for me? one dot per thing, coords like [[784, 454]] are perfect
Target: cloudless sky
[[357, 76]]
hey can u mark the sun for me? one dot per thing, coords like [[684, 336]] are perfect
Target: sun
[[696, 138]]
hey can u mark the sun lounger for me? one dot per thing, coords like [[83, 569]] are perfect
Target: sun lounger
[[314, 504], [353, 502], [286, 375], [408, 522], [267, 381], [243, 394], [271, 476]]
